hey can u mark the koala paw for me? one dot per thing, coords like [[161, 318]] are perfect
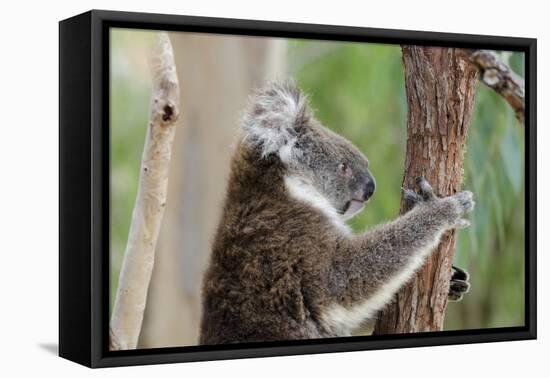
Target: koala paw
[[463, 204], [453, 208], [460, 284], [425, 193], [465, 201]]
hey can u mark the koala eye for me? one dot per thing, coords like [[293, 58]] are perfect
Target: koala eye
[[344, 169]]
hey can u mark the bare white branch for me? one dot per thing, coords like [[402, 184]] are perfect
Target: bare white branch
[[139, 257], [498, 76]]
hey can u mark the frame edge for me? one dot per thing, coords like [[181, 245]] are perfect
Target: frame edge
[[96, 319], [75, 275]]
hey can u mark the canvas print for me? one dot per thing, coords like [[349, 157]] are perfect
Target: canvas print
[[268, 189]]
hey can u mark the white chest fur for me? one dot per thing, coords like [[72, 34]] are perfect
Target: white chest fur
[[304, 191]]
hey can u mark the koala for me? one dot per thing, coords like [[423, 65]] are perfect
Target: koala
[[284, 264]]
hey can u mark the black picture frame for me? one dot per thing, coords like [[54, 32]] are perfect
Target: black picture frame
[[84, 187]]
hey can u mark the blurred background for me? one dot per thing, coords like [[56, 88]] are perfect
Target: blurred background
[[357, 90]]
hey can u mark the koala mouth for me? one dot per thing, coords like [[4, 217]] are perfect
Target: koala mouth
[[352, 207]]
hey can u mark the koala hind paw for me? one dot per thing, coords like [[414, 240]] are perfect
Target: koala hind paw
[[460, 284]]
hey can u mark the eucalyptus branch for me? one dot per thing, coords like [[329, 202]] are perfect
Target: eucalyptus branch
[[498, 76], [139, 257]]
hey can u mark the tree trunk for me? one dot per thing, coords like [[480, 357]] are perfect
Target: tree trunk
[[440, 89]]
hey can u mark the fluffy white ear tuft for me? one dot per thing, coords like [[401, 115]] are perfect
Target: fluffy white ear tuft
[[273, 118]]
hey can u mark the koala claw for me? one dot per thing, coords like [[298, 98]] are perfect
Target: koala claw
[[411, 196], [425, 192], [425, 189], [460, 284]]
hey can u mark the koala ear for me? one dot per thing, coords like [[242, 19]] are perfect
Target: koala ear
[[274, 118]]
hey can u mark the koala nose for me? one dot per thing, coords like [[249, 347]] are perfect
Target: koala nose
[[369, 189]]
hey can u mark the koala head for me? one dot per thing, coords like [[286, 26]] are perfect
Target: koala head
[[318, 161]]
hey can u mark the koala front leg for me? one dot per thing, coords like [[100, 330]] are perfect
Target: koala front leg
[[460, 279], [369, 268]]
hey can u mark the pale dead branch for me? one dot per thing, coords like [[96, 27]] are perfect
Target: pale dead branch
[[137, 264], [497, 75]]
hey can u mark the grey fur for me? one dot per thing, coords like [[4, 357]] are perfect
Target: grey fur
[[281, 267]]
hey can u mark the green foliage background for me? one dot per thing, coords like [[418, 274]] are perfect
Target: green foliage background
[[358, 91]]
